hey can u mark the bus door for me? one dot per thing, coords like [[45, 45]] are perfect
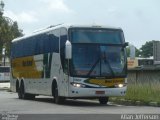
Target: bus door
[[63, 82], [63, 67]]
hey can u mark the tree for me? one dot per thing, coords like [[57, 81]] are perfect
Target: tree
[[147, 49], [137, 52], [8, 31]]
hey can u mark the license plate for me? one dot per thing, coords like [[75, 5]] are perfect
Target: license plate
[[100, 92]]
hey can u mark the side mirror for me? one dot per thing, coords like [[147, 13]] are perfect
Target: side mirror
[[125, 44], [68, 50]]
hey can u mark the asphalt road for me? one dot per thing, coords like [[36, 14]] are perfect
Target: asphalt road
[[43, 108], [10, 103]]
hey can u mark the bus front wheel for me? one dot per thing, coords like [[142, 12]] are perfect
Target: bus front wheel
[[103, 100], [57, 98]]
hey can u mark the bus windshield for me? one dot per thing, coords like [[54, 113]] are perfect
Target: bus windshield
[[102, 36], [100, 58]]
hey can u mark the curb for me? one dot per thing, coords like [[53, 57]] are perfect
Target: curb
[[135, 103], [155, 104]]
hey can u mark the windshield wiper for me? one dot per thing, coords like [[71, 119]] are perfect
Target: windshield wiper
[[106, 61], [94, 65]]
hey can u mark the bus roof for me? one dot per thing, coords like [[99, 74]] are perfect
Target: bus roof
[[53, 27]]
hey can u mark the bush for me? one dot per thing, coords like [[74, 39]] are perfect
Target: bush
[[146, 92]]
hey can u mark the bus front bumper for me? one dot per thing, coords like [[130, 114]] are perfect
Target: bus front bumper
[[96, 92]]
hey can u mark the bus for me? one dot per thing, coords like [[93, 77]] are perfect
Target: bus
[[4, 73], [70, 61]]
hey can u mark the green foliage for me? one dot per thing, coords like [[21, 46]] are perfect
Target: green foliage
[[8, 31], [137, 52], [147, 49], [143, 92], [146, 92]]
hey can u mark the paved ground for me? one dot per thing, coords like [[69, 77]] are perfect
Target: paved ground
[[44, 105], [39, 109]]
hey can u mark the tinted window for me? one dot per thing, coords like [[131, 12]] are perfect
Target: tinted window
[[102, 36], [4, 69], [39, 44]]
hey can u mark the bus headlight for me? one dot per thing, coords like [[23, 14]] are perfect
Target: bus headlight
[[78, 85], [119, 85]]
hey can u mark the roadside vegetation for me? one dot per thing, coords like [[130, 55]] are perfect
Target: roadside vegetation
[[144, 93]]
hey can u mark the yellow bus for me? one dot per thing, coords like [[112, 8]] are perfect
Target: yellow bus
[[70, 61]]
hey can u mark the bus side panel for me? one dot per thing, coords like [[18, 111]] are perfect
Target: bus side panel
[[7, 76], [38, 72], [52, 70], [25, 68], [1, 77]]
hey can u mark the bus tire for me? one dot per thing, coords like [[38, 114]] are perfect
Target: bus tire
[[17, 86], [18, 90], [21, 91], [103, 100], [22, 94], [57, 98]]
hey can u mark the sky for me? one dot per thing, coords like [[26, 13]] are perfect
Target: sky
[[139, 19]]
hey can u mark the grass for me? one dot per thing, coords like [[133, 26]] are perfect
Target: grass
[[146, 92]]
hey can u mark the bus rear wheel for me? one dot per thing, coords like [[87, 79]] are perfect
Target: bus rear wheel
[[103, 100], [21, 91], [23, 95]]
